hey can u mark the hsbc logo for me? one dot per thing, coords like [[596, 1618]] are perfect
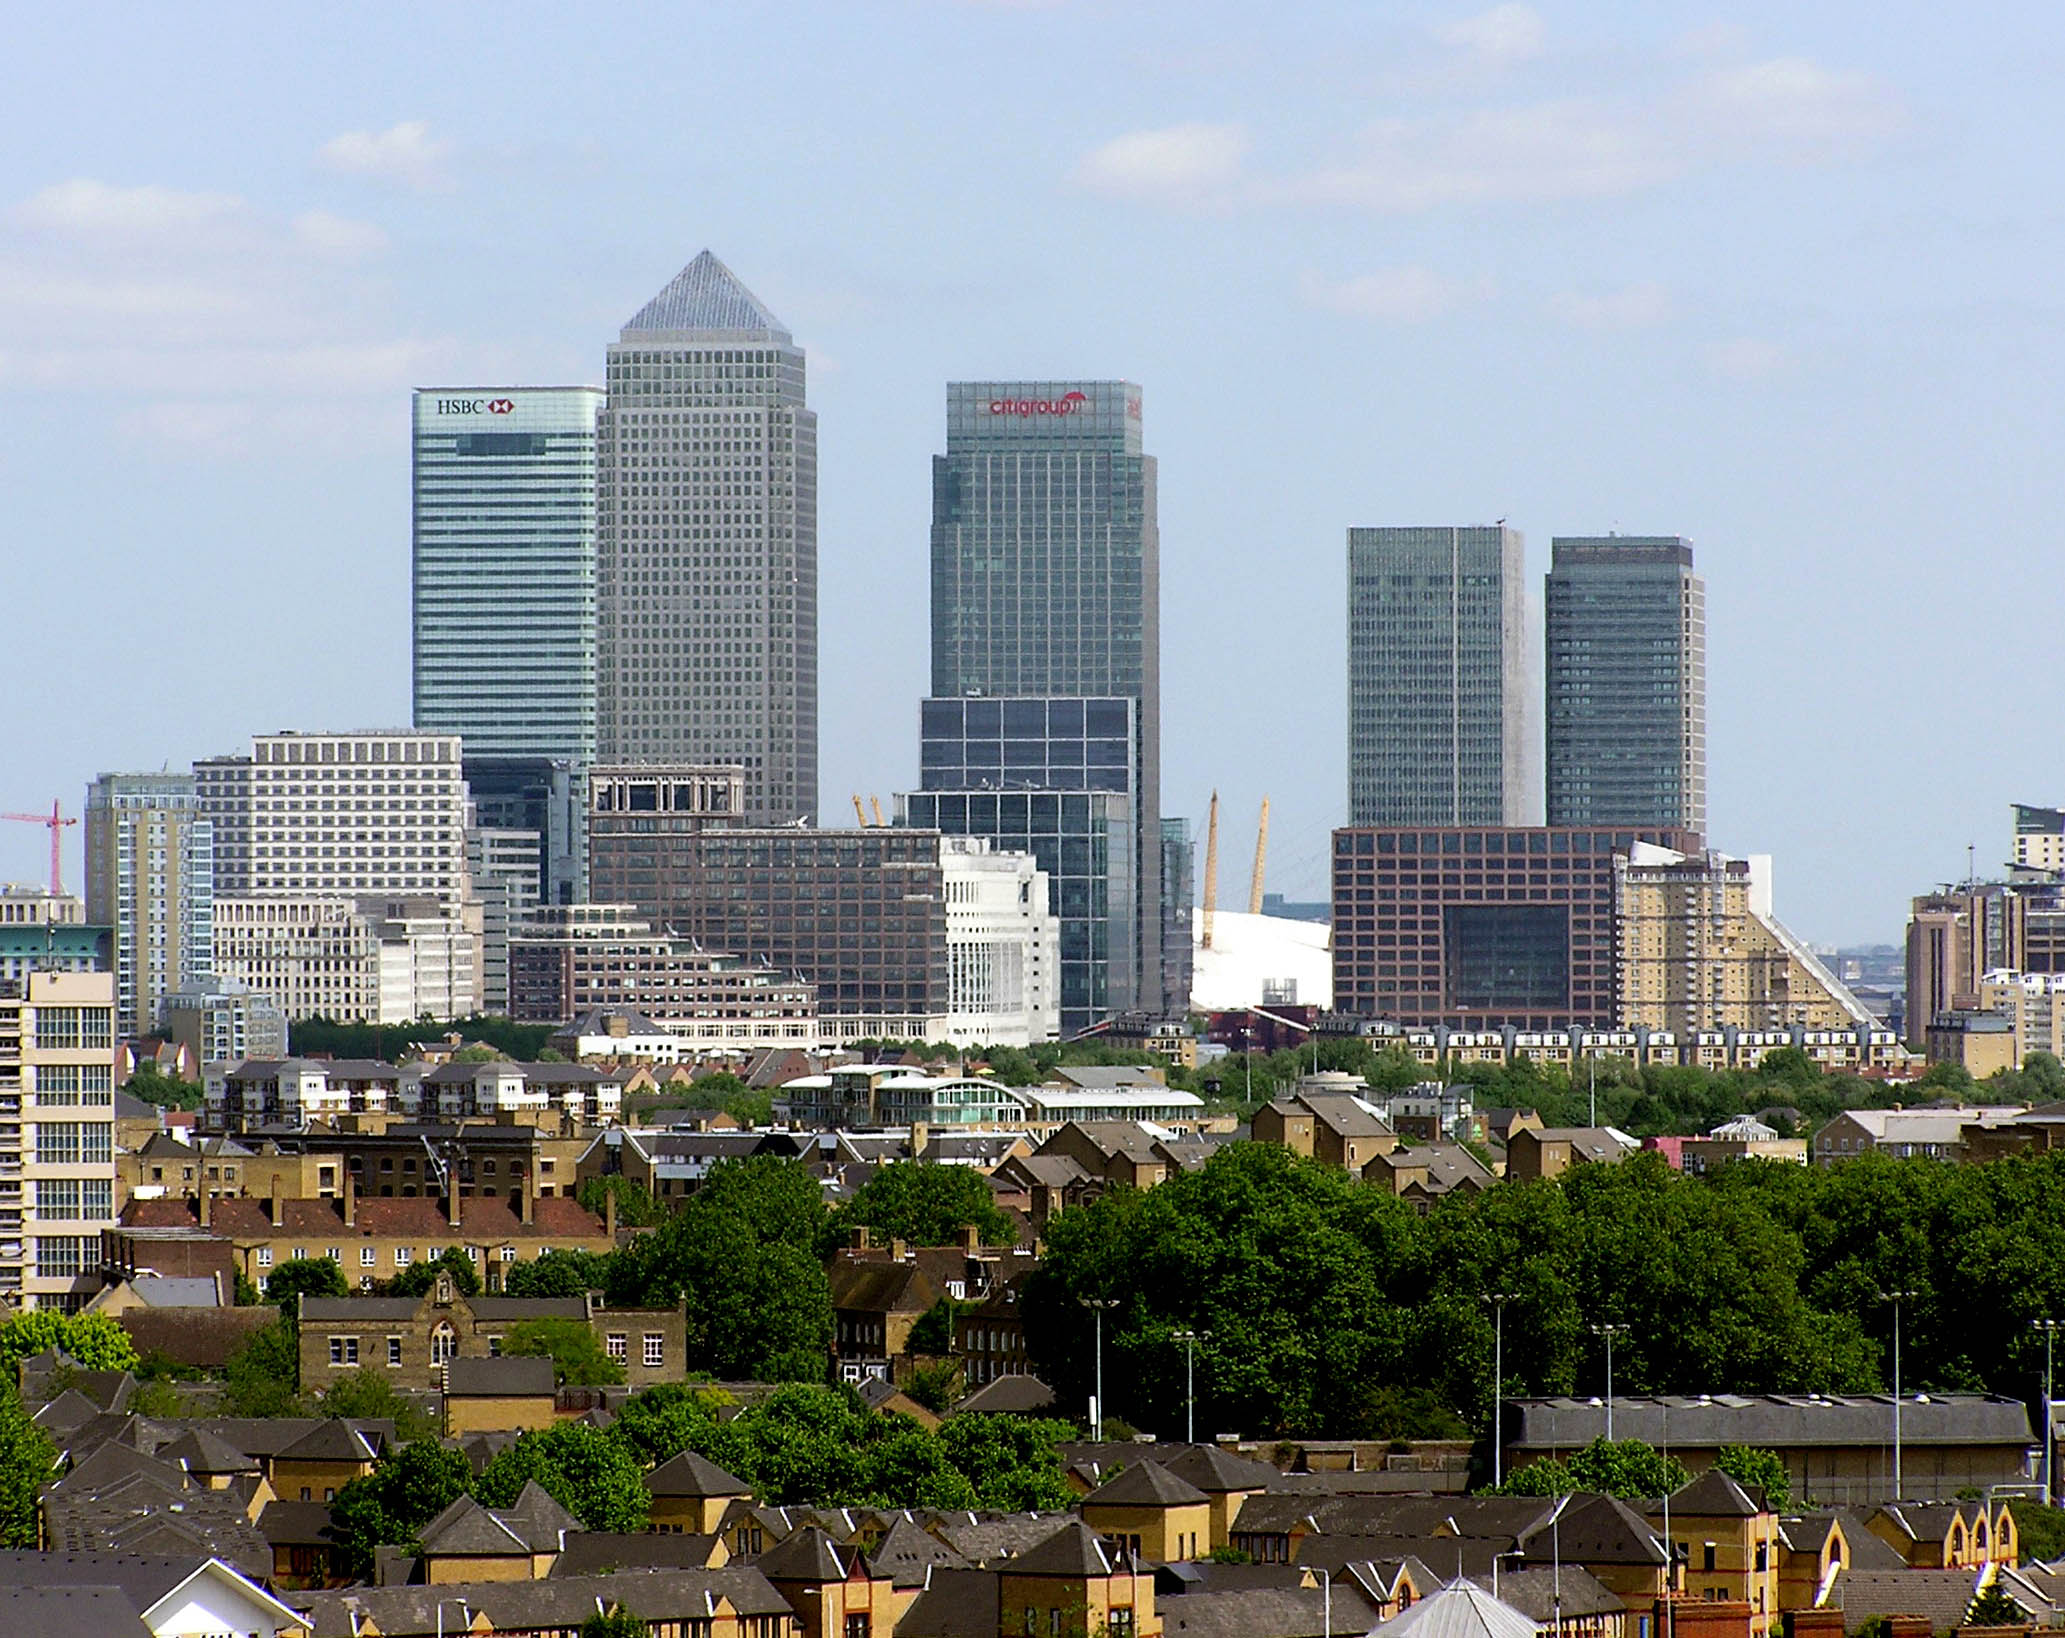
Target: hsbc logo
[[500, 406], [475, 406], [1072, 403]]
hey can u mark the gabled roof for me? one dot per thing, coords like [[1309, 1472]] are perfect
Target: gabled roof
[[688, 1474], [705, 295], [1714, 1495], [599, 1552], [1462, 1609], [199, 1451], [882, 1288], [1072, 1551], [1217, 1472], [1145, 1484], [331, 1440], [1593, 1529], [909, 1555], [1016, 1395], [804, 1555], [1940, 1597], [955, 1602], [77, 1612], [466, 1529]]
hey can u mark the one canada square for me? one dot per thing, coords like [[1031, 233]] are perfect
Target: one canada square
[[1044, 726], [706, 584]]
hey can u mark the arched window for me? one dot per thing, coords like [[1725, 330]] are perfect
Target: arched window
[[444, 1342]]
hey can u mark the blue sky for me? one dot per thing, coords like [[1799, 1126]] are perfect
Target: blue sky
[[1780, 279]]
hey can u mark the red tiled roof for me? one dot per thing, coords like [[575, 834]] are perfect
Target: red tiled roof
[[157, 1214], [416, 1217], [558, 1215]]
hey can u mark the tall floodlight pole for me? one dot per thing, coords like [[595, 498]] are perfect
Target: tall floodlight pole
[[2049, 1327], [1609, 1332], [1498, 1301], [1896, 1298], [1097, 1306], [1190, 1340]]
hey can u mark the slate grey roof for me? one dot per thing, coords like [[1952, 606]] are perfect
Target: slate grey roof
[[1462, 1609], [656, 1596], [1219, 1472], [359, 1308], [296, 1524], [1940, 1597], [599, 1552], [910, 1555], [687, 1474], [804, 1555], [332, 1440], [504, 1376], [181, 1291], [1017, 1395], [76, 1612], [954, 1604], [1773, 1421], [143, 1578], [1145, 1484], [466, 1529], [1540, 1592], [1245, 1612], [705, 295], [993, 1539], [1072, 1551], [199, 1451], [1714, 1495]]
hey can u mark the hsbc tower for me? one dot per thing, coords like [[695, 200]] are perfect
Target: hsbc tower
[[1043, 731]]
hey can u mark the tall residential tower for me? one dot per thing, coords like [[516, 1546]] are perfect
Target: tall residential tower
[[707, 583], [150, 878], [1626, 630], [1044, 729], [1441, 704]]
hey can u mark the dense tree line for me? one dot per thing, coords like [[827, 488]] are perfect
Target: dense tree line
[[1333, 1309], [325, 1037], [800, 1444]]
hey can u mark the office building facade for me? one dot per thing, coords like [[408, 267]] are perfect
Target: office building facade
[[1625, 635], [150, 878], [1481, 927], [1046, 555], [707, 577], [1057, 779], [1442, 725], [46, 932]]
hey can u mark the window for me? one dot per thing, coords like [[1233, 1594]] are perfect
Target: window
[[444, 1342], [401, 1256], [857, 1626], [509, 1254], [344, 1350], [1706, 1558], [394, 1350], [618, 1346], [368, 1257], [655, 1350], [300, 1253], [64, 1256], [265, 1256]]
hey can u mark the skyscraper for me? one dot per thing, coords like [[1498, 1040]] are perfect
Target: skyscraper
[[504, 603], [707, 582], [1626, 640], [1046, 615], [1441, 721], [150, 877]]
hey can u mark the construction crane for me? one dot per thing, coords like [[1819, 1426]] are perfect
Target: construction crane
[[1261, 859], [54, 821], [860, 812], [1211, 874], [875, 802]]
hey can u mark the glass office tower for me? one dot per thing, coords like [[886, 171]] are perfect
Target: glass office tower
[[708, 544], [1046, 603], [1626, 640], [1441, 704]]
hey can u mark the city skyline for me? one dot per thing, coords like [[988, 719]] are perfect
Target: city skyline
[[1794, 313]]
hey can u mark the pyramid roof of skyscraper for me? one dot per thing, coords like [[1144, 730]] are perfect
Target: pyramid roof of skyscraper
[[705, 295]]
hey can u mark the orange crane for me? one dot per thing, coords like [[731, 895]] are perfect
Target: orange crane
[[54, 821]]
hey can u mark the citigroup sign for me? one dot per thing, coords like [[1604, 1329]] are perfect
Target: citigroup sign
[[1069, 403]]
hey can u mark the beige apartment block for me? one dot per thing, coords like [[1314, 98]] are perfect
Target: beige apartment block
[[1701, 950], [57, 1135]]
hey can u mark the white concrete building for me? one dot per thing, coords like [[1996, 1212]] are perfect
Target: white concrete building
[[224, 1020], [505, 867], [150, 878], [1003, 947], [57, 1136]]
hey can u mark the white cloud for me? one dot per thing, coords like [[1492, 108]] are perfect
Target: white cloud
[[1405, 295], [1506, 33], [1633, 307], [1747, 358], [1796, 110], [1188, 162], [1543, 151], [406, 154], [335, 235], [84, 206]]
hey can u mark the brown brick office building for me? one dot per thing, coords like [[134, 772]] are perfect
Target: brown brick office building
[[1481, 926]]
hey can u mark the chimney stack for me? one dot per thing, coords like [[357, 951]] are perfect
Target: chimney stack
[[609, 1214], [351, 1200], [525, 1208], [203, 1213], [278, 1207]]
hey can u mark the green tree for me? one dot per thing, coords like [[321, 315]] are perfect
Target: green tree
[[26, 1463], [616, 1623], [2039, 1530], [670, 1418], [934, 1332], [744, 1249], [307, 1277], [636, 1207], [408, 1488], [1625, 1468], [262, 1378], [1994, 1608], [588, 1473], [557, 1273], [92, 1341], [153, 1085], [571, 1346], [925, 1205], [476, 1055], [1758, 1469], [417, 1279], [936, 1385], [365, 1395]]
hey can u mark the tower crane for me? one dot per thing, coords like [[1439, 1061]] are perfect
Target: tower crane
[[1211, 875], [1261, 860], [54, 821]]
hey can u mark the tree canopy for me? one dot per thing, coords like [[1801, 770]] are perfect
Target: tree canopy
[[417, 1279], [925, 1205], [1626, 1468], [93, 1341], [26, 1460], [571, 1346], [304, 1277], [591, 1475], [408, 1488]]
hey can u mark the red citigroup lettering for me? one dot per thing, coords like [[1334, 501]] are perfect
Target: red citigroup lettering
[[1071, 403]]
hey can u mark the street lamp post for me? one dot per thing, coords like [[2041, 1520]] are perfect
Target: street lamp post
[[1190, 1340], [2049, 1327], [1498, 1301], [1609, 1332], [1097, 1306]]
